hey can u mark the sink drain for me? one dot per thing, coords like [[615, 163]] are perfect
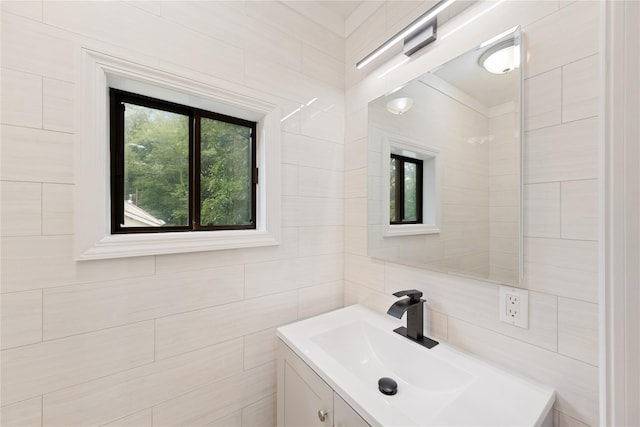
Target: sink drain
[[387, 386]]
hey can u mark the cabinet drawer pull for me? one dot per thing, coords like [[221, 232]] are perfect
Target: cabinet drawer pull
[[322, 416]]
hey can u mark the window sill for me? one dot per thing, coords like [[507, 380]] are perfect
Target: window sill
[[410, 230], [131, 245]]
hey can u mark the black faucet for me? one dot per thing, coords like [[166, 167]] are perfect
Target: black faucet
[[414, 306]]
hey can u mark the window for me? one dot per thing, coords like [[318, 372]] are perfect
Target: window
[[405, 186], [179, 168], [93, 236]]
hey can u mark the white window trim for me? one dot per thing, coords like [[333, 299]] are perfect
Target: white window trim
[[430, 191], [93, 237]]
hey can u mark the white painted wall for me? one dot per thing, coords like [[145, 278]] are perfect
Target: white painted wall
[[165, 340], [560, 348]]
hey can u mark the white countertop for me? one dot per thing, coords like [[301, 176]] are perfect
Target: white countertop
[[353, 347]]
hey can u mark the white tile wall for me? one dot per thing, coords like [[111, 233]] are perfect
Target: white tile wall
[[233, 420], [74, 309], [171, 339], [151, 6], [21, 318], [37, 49], [22, 208], [542, 210], [189, 331], [319, 299], [116, 396], [139, 419], [543, 105], [220, 398], [580, 209], [580, 90], [259, 413], [562, 153], [29, 9], [560, 200], [41, 368], [562, 267], [575, 382], [259, 348], [565, 36], [27, 413], [21, 99], [36, 155], [277, 276], [36, 262], [58, 105], [320, 240], [155, 345], [57, 209], [578, 330], [566, 421]]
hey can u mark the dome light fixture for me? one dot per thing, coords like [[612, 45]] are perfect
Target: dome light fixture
[[399, 106], [501, 58]]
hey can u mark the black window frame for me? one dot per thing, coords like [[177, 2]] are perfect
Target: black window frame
[[400, 189], [117, 98]]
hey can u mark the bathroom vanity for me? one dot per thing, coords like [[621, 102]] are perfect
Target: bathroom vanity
[[329, 367], [309, 400]]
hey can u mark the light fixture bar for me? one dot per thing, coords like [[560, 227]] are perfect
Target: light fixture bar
[[408, 30]]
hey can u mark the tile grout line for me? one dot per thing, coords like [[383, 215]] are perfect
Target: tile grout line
[[41, 315], [560, 211], [558, 324], [562, 93], [155, 328], [42, 103]]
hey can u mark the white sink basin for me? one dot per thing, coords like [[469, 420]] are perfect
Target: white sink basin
[[371, 353], [353, 347]]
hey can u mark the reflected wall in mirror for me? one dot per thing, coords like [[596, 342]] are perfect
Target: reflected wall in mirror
[[444, 171]]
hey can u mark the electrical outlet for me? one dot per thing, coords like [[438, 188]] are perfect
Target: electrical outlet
[[514, 306]]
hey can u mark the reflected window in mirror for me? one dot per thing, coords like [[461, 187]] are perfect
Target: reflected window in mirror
[[405, 184]]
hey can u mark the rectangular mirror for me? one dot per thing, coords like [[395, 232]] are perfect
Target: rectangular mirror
[[444, 171]]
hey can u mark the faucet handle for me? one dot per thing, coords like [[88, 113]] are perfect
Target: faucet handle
[[413, 294]]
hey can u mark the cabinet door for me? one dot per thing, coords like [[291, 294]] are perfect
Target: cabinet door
[[344, 415], [306, 396]]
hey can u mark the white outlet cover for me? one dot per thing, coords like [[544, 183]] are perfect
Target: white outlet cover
[[523, 295]]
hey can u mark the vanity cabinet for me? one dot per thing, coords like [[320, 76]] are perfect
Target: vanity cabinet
[[305, 400], [344, 415]]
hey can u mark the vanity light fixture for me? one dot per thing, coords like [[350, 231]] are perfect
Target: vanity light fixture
[[416, 35], [501, 58], [399, 106]]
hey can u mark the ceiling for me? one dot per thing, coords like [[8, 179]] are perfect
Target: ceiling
[[340, 17], [341, 8]]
